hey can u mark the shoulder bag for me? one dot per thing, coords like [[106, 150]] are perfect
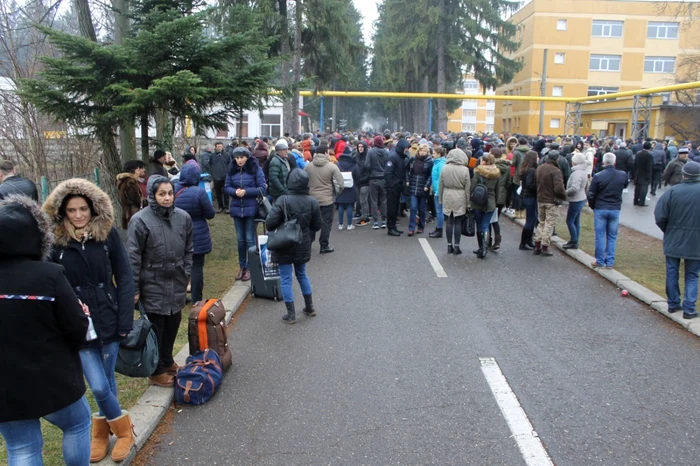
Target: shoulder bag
[[287, 236], [138, 352], [264, 206]]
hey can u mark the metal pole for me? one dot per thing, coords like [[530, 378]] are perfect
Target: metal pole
[[430, 115], [543, 89], [321, 123]]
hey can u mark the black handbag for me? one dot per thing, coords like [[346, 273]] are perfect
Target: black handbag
[[264, 206], [287, 236], [469, 223], [138, 353]]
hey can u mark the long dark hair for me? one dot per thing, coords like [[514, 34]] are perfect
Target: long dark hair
[[530, 161]]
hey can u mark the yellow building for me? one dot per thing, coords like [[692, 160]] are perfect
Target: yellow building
[[473, 115], [595, 47]]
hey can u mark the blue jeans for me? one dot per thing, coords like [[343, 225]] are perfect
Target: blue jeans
[[573, 219], [530, 206], [98, 367], [438, 211], [345, 210], [245, 232], [483, 220], [673, 292], [24, 442], [606, 223], [417, 206], [286, 279]]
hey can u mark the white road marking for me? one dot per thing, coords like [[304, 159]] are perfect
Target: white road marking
[[529, 443], [439, 271]]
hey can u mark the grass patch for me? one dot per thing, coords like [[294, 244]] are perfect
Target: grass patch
[[638, 256], [220, 270]]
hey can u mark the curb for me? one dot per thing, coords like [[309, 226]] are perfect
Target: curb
[[645, 295], [152, 406]]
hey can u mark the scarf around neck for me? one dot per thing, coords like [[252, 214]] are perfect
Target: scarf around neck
[[81, 235]]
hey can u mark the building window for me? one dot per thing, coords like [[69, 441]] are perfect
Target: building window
[[557, 91], [466, 113], [468, 127], [271, 126], [599, 90], [489, 113], [659, 64], [503, 126], [554, 122], [561, 25], [471, 85], [489, 128], [658, 30], [490, 102], [606, 28], [604, 63], [222, 133], [558, 58]]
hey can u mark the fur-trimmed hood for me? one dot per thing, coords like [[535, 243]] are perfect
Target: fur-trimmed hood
[[102, 220], [490, 172], [25, 230]]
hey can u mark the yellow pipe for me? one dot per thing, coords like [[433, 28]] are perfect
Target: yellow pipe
[[651, 90], [419, 95]]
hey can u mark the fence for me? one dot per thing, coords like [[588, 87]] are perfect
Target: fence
[[48, 185]]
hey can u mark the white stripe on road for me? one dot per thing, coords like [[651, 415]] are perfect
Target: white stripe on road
[[529, 443], [439, 271]]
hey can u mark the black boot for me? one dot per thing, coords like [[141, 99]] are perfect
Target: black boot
[[524, 236], [482, 246], [480, 239], [458, 251], [290, 317], [437, 233], [530, 233], [309, 305], [450, 249]]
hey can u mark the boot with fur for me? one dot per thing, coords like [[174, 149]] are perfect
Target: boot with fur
[[123, 428], [100, 439]]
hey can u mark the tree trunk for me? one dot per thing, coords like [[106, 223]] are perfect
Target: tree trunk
[[441, 52], [284, 50], [127, 131], [87, 28], [145, 156], [294, 130]]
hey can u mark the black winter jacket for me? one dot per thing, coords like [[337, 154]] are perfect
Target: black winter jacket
[[643, 163], [361, 157], [18, 185], [375, 163], [302, 207], [529, 183], [605, 192], [39, 338], [624, 160], [395, 172], [417, 182]]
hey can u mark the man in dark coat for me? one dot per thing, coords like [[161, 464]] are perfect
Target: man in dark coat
[[678, 215], [643, 163], [605, 198], [624, 160], [394, 179], [375, 164], [673, 174], [551, 192], [362, 188], [156, 167], [658, 167], [217, 165], [12, 183]]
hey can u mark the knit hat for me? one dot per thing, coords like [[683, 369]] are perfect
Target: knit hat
[[378, 141], [553, 155], [691, 169], [683, 150], [282, 145], [578, 158]]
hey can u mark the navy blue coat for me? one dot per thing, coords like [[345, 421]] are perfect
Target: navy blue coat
[[249, 177], [348, 163], [194, 200], [605, 192]]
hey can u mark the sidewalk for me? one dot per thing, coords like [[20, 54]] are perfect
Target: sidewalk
[[638, 218], [153, 405], [657, 302]]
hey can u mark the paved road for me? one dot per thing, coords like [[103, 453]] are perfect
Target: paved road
[[640, 218], [390, 373]]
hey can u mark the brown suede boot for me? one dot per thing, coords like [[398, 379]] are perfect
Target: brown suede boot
[[100, 439], [123, 428], [538, 248]]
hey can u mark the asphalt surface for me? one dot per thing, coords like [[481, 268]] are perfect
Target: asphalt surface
[[641, 218], [389, 373]]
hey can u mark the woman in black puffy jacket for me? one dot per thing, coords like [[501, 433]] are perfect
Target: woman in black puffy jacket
[[296, 204], [528, 193]]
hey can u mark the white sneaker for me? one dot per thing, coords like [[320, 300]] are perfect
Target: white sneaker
[[340, 227], [351, 227]]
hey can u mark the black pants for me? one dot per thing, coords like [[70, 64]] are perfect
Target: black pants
[[393, 200], [453, 225], [327, 212], [656, 179], [221, 196], [431, 205], [197, 279], [640, 193], [166, 330]]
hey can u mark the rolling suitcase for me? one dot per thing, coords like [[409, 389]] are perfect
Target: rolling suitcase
[[206, 329], [259, 286]]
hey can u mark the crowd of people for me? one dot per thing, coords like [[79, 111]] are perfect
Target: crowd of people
[[64, 268]]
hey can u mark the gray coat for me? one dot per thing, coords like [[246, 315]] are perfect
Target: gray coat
[[576, 187], [216, 164], [677, 213], [160, 251]]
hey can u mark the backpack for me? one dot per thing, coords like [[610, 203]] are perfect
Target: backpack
[[206, 329], [348, 182], [198, 380], [480, 195]]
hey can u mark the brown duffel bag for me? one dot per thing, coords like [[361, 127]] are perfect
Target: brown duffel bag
[[206, 329]]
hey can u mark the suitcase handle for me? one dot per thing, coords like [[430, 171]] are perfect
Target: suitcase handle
[[257, 245]]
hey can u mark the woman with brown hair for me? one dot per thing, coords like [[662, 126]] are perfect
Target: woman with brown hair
[[528, 193]]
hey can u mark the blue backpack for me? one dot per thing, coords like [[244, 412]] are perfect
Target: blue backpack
[[198, 380]]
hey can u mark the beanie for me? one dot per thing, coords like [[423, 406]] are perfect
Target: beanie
[[282, 145], [691, 169], [378, 141]]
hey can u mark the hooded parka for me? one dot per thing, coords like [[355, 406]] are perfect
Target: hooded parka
[[322, 173], [194, 200], [454, 187], [488, 175], [249, 177], [93, 267]]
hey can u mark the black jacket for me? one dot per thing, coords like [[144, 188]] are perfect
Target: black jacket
[[39, 338], [643, 163], [364, 171], [375, 163], [605, 192], [300, 206], [395, 172], [660, 158], [677, 214], [529, 183], [623, 160], [156, 168], [18, 185], [565, 167], [419, 181]]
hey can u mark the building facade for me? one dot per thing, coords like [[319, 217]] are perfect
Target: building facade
[[596, 47], [474, 115]]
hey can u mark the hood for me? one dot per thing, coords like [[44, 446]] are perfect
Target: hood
[[490, 172], [25, 230], [261, 145], [298, 181], [321, 160], [189, 175], [539, 145], [456, 156], [512, 139], [461, 144], [153, 181], [401, 147], [503, 165], [347, 158], [476, 144], [579, 167], [366, 149], [523, 149], [124, 177], [101, 223]]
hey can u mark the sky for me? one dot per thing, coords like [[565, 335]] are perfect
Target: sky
[[368, 10]]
